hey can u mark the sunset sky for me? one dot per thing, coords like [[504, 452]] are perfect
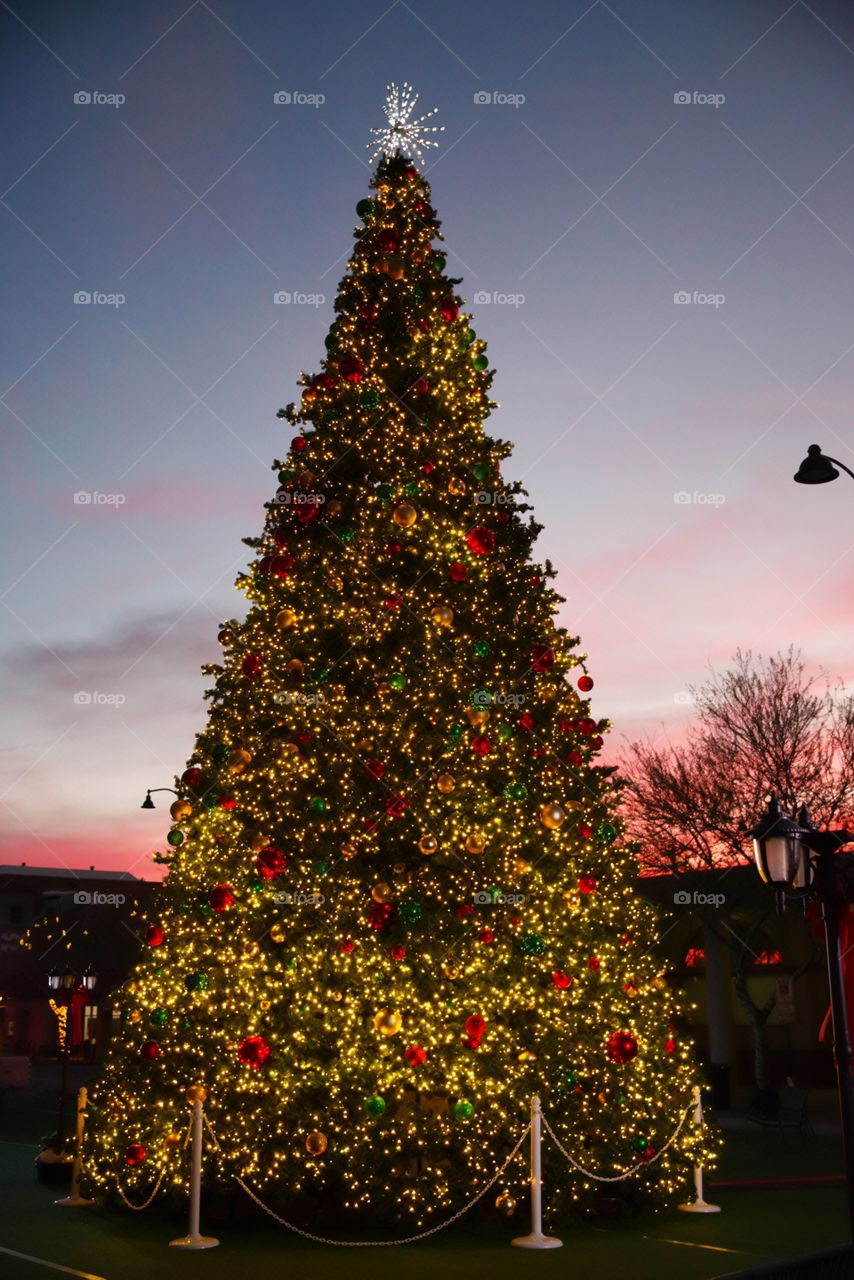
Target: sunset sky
[[657, 437]]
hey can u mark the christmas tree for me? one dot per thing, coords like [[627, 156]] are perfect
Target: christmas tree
[[397, 902]]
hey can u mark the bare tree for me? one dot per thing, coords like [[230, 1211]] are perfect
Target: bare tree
[[762, 725]]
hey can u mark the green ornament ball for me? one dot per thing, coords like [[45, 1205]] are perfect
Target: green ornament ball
[[570, 1077], [640, 1144], [210, 801], [456, 733], [411, 489], [397, 680], [330, 341], [346, 535], [158, 1017], [318, 804], [480, 470], [384, 491], [175, 838], [255, 886], [330, 415], [366, 209], [438, 262], [515, 791], [320, 868], [185, 1024], [505, 731], [375, 1105], [481, 648], [369, 398], [196, 982], [606, 833], [222, 751], [417, 292], [470, 336], [205, 909], [480, 363], [283, 477], [410, 911], [463, 1110], [532, 944]]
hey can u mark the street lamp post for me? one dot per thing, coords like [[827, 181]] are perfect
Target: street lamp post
[[795, 857], [64, 983], [818, 468], [148, 803]]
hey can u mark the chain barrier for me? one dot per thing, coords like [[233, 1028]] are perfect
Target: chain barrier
[[374, 1244], [620, 1177], [138, 1207]]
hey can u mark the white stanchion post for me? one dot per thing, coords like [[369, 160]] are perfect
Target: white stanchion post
[[194, 1240], [536, 1240], [699, 1203], [75, 1200]]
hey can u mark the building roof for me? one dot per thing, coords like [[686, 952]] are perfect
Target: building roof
[[21, 870]]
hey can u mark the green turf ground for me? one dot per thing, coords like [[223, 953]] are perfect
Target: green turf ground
[[756, 1226]]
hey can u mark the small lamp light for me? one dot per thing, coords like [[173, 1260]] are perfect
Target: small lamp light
[[816, 468], [89, 978], [147, 803]]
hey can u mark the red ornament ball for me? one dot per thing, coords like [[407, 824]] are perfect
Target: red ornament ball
[[347, 945], [594, 963], [387, 240], [448, 310], [574, 757], [475, 1026], [421, 387], [379, 915], [561, 980], [622, 1047], [587, 884], [135, 1153], [150, 1050], [398, 952], [526, 722], [253, 1051], [308, 510], [587, 726], [487, 936], [481, 745], [458, 572], [351, 369], [464, 909], [154, 935], [670, 1046], [542, 657], [585, 684], [584, 831], [375, 768], [480, 540], [415, 1055], [251, 665], [298, 444], [192, 777], [396, 806], [227, 802], [222, 897], [270, 863]]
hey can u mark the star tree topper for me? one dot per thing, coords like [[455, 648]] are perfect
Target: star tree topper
[[401, 133]]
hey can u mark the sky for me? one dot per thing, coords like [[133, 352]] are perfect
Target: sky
[[651, 204]]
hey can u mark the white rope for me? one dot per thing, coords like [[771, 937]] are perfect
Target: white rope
[[620, 1177], [374, 1244]]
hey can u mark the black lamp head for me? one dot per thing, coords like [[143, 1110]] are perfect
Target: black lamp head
[[147, 803], [815, 468]]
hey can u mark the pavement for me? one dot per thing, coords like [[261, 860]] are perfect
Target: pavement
[[759, 1223]]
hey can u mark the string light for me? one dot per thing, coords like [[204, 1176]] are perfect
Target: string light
[[403, 134]]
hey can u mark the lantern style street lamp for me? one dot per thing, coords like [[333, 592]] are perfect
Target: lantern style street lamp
[[795, 858], [64, 983]]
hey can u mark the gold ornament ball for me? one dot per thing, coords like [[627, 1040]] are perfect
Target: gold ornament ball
[[602, 1098], [520, 866], [527, 1056], [451, 972], [348, 849], [196, 1093], [405, 515], [475, 842], [263, 1005], [251, 949], [573, 900], [306, 479], [336, 996], [294, 667], [552, 816], [446, 783], [316, 1143], [287, 750], [428, 844], [477, 716], [258, 843], [172, 1141], [180, 809], [286, 619], [381, 892], [442, 615], [399, 868], [278, 932], [456, 486], [387, 1022], [333, 508], [506, 1204], [239, 759], [135, 1015]]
